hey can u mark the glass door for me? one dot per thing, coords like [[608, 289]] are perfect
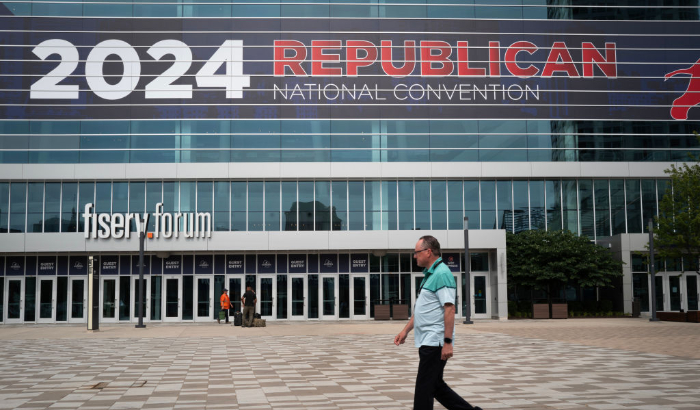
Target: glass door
[[47, 299], [171, 300], [204, 294], [479, 293], [109, 294], [135, 299], [359, 292], [78, 301], [124, 291], [297, 302], [660, 293], [235, 293], [692, 291], [674, 284], [267, 289], [329, 299], [15, 302]]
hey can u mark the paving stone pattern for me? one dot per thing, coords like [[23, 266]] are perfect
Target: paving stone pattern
[[343, 371]]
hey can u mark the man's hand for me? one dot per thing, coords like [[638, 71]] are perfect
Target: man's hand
[[446, 351], [400, 338]]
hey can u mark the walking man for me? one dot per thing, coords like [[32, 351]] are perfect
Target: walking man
[[249, 300], [225, 304], [433, 320]]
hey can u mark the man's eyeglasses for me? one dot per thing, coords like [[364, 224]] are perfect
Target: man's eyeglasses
[[417, 252]]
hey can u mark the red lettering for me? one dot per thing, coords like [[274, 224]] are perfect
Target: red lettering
[[608, 65], [512, 64], [318, 57], [293, 62], [427, 57], [494, 58], [354, 60], [409, 53], [463, 69], [560, 52]]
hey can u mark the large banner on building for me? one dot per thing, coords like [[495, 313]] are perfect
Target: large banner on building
[[128, 68]]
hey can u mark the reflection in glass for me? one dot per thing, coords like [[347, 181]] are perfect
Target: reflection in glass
[[109, 296], [266, 296], [77, 298], [298, 296], [328, 296], [479, 295], [203, 299]]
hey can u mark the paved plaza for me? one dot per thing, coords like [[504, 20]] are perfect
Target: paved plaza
[[526, 364]]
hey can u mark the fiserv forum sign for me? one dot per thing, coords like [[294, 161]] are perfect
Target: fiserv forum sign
[[129, 68]]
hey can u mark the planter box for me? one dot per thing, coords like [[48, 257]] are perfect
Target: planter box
[[672, 316], [382, 312], [560, 311], [693, 316], [400, 312], [540, 311]]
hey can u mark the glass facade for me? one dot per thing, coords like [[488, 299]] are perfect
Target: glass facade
[[513, 205]]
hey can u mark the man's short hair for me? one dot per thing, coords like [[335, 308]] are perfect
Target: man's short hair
[[430, 242]]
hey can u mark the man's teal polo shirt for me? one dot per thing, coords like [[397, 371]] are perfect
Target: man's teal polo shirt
[[437, 288]]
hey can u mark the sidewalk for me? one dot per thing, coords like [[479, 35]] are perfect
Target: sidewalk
[[527, 364]]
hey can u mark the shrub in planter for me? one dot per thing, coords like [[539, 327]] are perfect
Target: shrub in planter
[[605, 305], [590, 306], [512, 307]]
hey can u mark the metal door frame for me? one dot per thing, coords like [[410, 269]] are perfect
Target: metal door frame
[[146, 298], [353, 316], [52, 319], [114, 319], [336, 288], [305, 286], [487, 291], [164, 308], [258, 293], [212, 314], [6, 299], [70, 299]]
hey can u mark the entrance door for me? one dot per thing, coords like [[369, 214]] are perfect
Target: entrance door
[[78, 301], [267, 289], [660, 293], [15, 301], [692, 291], [204, 294], [480, 305], [47, 300], [297, 288], [109, 292], [674, 284], [329, 297], [235, 293], [359, 292], [171, 302], [135, 299]]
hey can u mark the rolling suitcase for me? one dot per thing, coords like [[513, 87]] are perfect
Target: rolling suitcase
[[237, 319]]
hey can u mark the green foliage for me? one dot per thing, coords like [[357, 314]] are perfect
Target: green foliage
[[541, 258], [677, 232]]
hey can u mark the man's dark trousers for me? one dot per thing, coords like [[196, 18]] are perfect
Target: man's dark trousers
[[429, 383]]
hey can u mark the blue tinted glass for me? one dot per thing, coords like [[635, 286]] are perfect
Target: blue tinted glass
[[86, 195], [634, 209], [488, 204], [570, 214], [18, 206], [209, 141], [504, 10], [403, 8], [8, 141], [648, 202], [553, 205], [103, 197], [537, 219], [171, 196], [57, 8], [504, 205], [472, 204], [272, 206], [161, 136], [455, 205], [19, 9], [373, 205], [69, 206], [438, 197], [212, 8], [617, 206], [255, 206], [339, 192], [120, 197], [406, 205], [585, 201], [422, 204], [355, 8], [54, 135], [52, 207], [106, 9], [520, 207], [389, 205], [602, 208], [188, 196], [452, 9], [205, 196], [105, 141], [356, 201], [222, 213], [168, 9], [307, 8], [306, 206], [323, 214], [251, 8], [239, 200], [290, 206], [35, 206]]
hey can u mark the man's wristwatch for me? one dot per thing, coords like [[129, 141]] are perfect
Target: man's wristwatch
[[448, 341]]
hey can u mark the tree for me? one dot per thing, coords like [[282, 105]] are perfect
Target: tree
[[677, 234], [543, 259]]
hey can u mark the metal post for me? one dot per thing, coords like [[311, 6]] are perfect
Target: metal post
[[652, 272], [142, 239], [93, 322], [467, 273]]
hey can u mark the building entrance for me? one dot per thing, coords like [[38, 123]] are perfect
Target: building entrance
[[235, 293], [15, 301], [204, 294], [691, 286], [480, 305], [267, 289], [78, 298], [110, 300], [47, 300], [359, 290], [329, 299], [172, 306], [297, 290], [135, 298]]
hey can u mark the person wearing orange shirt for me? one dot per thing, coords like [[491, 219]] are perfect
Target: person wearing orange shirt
[[225, 304]]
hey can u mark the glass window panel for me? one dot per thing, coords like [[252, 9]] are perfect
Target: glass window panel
[[307, 8], [251, 8], [339, 191], [648, 202], [171, 196], [205, 196], [105, 8], [521, 214], [272, 206], [585, 199], [663, 187], [53, 138], [472, 204], [569, 202], [105, 141], [634, 206], [4, 206], [403, 9], [239, 200], [447, 136], [389, 205], [356, 200], [640, 289], [356, 8], [69, 206], [602, 208], [406, 205], [13, 135], [249, 135], [120, 197], [18, 206], [212, 8], [617, 206], [407, 141], [86, 195], [323, 205], [154, 195], [157, 141], [290, 206], [222, 213], [205, 141], [488, 205], [306, 206], [554, 206], [537, 205], [188, 197], [421, 204], [103, 197], [52, 207], [35, 206], [57, 8], [255, 206], [438, 197], [137, 196], [455, 216], [373, 205], [462, 9], [168, 9], [505, 205]]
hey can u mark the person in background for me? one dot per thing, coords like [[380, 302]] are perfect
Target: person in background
[[249, 300], [433, 320], [225, 304]]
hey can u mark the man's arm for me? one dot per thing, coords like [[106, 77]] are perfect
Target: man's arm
[[449, 327], [401, 337]]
